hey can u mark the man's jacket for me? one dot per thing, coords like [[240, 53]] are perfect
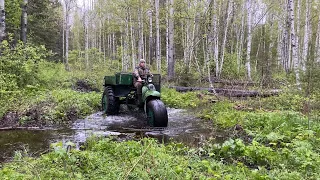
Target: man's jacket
[[141, 72]]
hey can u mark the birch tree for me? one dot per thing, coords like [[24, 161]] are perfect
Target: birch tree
[[86, 38], [133, 44], [140, 44], [229, 9], [158, 52], [171, 61], [150, 32], [293, 43], [67, 8], [317, 56], [307, 34], [216, 36], [2, 20], [24, 17], [249, 38]]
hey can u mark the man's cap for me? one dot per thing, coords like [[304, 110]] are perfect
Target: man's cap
[[142, 60]]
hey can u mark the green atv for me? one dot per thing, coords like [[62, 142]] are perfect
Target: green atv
[[119, 89]]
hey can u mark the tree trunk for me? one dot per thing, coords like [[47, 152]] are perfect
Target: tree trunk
[[150, 34], [113, 46], [86, 37], [307, 33], [140, 24], [318, 41], [126, 44], [215, 22], [240, 37], [63, 32], [158, 37], [67, 43], [133, 46], [249, 37], [2, 21], [293, 43], [24, 18], [225, 35], [171, 61], [67, 4]]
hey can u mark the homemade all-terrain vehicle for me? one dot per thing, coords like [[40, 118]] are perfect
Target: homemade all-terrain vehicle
[[119, 89]]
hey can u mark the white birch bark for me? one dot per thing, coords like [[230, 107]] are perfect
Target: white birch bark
[[126, 44], [317, 55], [86, 36], [171, 61], [150, 12], [2, 21], [225, 36], [133, 47], [215, 23], [113, 46], [293, 43], [67, 42], [68, 6], [122, 50], [249, 38], [63, 31], [240, 38], [158, 55], [279, 45], [140, 45], [307, 33]]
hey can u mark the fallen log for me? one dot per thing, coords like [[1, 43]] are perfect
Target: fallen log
[[229, 92], [21, 128], [234, 82]]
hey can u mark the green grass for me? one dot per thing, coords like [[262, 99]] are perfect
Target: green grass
[[145, 159], [54, 95]]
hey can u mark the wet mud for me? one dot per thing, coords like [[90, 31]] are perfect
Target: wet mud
[[183, 127]]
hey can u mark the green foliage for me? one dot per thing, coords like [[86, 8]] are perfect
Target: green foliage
[[19, 66], [13, 15], [174, 99], [68, 101], [230, 67], [45, 25], [280, 139], [145, 159], [223, 114]]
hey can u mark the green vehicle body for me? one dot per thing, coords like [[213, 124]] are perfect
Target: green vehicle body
[[120, 90]]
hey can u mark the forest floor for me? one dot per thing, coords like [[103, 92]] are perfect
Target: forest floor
[[276, 137]]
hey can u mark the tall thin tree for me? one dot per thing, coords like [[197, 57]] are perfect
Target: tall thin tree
[[293, 43], [24, 18], [2, 20], [171, 62]]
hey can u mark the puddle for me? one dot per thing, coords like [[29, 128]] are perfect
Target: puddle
[[183, 127]]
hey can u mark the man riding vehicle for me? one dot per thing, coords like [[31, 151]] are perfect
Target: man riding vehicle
[[140, 72]]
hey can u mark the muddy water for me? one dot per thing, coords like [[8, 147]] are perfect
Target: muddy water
[[183, 127]]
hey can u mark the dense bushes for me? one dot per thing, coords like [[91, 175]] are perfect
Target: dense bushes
[[19, 66], [30, 83]]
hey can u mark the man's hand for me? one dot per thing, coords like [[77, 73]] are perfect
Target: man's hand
[[139, 79]]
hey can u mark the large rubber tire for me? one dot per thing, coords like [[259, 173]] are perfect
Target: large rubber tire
[[157, 114], [110, 103]]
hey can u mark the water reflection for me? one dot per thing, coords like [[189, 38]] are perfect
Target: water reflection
[[183, 127]]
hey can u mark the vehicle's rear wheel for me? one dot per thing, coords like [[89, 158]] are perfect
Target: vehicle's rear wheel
[[157, 113], [110, 103]]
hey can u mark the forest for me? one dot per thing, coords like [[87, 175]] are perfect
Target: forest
[[240, 80]]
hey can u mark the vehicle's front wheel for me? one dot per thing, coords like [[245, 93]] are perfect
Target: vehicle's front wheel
[[110, 103], [157, 114]]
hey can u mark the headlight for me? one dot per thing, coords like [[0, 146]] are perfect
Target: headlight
[[150, 79], [151, 87]]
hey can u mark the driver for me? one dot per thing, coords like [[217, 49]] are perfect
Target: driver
[[140, 72]]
